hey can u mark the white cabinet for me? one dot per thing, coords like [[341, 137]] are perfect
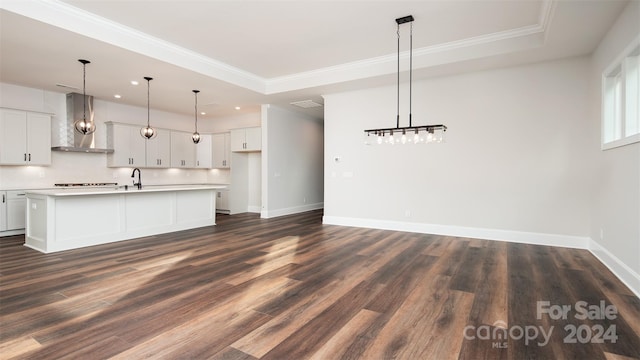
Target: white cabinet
[[158, 150], [221, 150], [16, 207], [183, 151], [127, 144], [12, 210], [248, 139], [25, 138], [203, 152], [3, 211], [222, 201]]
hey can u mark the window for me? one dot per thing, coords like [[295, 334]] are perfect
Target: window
[[621, 99]]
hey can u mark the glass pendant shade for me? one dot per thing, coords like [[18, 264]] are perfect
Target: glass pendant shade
[[148, 132], [82, 125], [85, 127]]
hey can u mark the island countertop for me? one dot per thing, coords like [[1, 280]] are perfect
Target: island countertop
[[70, 218], [80, 191]]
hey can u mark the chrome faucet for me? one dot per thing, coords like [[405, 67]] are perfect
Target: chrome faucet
[[133, 175]]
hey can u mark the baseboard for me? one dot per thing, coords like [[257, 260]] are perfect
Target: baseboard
[[569, 241], [627, 275], [254, 209], [265, 214], [11, 232], [623, 272]]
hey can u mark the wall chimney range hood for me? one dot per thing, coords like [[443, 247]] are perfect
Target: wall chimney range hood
[[65, 137]]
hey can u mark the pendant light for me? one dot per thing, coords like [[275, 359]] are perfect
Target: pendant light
[[422, 134], [148, 132], [82, 125], [196, 136]]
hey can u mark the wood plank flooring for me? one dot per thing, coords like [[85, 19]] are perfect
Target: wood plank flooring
[[292, 288]]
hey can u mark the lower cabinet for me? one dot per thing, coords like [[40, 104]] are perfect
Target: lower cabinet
[[222, 201], [12, 211]]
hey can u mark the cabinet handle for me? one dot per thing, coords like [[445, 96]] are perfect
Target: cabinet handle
[[25, 156], [3, 198], [29, 157]]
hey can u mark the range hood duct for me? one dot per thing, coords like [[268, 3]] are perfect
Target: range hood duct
[[67, 138]]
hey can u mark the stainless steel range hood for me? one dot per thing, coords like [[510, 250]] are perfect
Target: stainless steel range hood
[[66, 138]]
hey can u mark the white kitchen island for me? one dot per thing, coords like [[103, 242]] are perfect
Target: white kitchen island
[[71, 218]]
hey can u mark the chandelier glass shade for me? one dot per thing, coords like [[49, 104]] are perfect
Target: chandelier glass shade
[[421, 134]]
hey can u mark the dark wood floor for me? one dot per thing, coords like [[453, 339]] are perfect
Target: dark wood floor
[[292, 288]]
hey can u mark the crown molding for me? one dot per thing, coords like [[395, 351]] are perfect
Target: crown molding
[[65, 16], [470, 48]]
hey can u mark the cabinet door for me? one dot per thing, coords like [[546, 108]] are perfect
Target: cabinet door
[[137, 147], [16, 209], [13, 137], [159, 150], [220, 151], [253, 139], [38, 139], [183, 151], [222, 200], [203, 152], [127, 144], [238, 140], [3, 211]]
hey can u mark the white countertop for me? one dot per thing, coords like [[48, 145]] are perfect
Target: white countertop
[[75, 191]]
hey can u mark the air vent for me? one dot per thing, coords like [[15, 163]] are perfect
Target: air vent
[[306, 104]]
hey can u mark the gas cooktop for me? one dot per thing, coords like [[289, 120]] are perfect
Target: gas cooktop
[[85, 184]]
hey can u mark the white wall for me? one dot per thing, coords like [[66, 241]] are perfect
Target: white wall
[[513, 166], [615, 221], [292, 158]]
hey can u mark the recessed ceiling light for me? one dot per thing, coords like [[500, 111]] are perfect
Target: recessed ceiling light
[[237, 107], [117, 96], [133, 82], [203, 113]]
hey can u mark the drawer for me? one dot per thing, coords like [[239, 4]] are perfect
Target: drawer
[[16, 194]]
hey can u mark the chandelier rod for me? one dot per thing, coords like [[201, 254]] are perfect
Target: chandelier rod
[[410, 69], [398, 82]]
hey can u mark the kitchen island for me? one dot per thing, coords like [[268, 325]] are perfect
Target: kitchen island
[[63, 219]]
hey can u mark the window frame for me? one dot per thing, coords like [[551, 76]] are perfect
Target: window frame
[[614, 106]]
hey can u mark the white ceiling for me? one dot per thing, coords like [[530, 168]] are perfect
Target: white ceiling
[[245, 53]]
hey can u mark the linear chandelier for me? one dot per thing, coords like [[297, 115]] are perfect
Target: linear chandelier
[[421, 134]]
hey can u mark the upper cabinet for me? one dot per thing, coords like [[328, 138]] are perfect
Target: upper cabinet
[[204, 152], [249, 139], [25, 138], [159, 150], [183, 150], [127, 144], [221, 151]]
